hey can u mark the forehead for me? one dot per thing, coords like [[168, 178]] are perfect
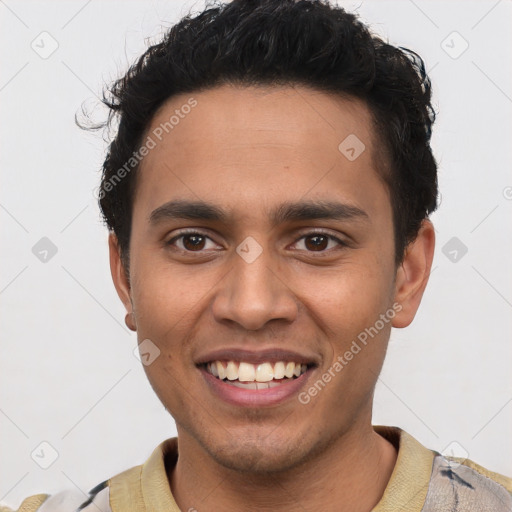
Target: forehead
[[251, 145]]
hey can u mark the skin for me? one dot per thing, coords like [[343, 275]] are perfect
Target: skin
[[248, 150]]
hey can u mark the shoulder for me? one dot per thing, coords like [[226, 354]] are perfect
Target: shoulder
[[97, 500], [503, 480], [461, 484], [125, 490], [426, 481]]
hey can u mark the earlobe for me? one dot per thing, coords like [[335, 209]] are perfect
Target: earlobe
[[129, 320], [412, 275], [120, 280]]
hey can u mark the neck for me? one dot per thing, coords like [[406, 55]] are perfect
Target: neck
[[351, 475]]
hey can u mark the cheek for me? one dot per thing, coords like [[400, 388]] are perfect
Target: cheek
[[165, 312], [347, 307], [352, 297], [165, 294], [163, 305]]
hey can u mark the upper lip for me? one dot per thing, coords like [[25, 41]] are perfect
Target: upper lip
[[271, 355]]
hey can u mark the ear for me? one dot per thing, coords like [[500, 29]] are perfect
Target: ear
[[119, 276], [412, 275]]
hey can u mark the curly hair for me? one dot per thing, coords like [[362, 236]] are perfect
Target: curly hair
[[281, 42]]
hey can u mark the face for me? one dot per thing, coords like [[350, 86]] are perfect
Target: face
[[260, 246]]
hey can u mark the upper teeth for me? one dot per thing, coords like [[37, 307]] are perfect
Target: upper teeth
[[247, 372]]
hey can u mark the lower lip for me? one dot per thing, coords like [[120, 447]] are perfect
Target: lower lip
[[255, 397]]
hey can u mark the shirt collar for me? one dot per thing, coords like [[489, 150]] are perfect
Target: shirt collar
[[407, 488], [146, 488]]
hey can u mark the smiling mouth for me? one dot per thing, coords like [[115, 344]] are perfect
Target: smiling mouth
[[256, 376]]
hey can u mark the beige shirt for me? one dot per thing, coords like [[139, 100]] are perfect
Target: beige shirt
[[422, 481]]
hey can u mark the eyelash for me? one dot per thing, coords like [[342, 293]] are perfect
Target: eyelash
[[305, 235]]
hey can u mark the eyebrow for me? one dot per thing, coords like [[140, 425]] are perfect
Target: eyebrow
[[285, 212]]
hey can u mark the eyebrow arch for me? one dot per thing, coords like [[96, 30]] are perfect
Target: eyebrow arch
[[285, 212]]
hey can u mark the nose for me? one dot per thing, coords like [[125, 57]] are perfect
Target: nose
[[253, 293]]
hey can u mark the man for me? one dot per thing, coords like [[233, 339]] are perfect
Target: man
[[267, 195]]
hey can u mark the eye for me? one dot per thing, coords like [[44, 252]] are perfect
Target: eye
[[319, 242], [195, 241], [191, 241]]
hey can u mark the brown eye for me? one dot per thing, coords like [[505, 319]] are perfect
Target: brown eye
[[193, 242], [319, 242], [316, 242]]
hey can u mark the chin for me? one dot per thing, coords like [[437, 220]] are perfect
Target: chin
[[259, 456], [254, 461]]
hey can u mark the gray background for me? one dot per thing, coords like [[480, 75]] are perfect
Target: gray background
[[68, 374]]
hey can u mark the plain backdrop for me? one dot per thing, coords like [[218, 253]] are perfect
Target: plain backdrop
[[68, 374]]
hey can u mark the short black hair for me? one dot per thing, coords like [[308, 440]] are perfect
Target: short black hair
[[280, 43]]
